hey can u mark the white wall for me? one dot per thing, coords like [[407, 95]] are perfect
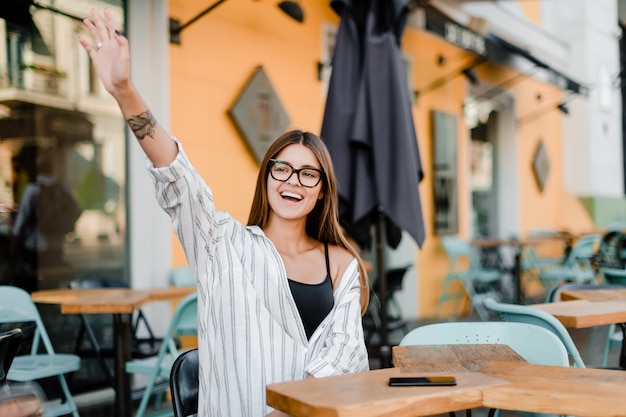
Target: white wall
[[150, 246]]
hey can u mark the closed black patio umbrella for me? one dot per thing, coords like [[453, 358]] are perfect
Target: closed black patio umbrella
[[369, 130]]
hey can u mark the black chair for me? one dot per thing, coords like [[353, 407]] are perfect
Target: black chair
[[141, 347], [184, 384], [26, 393], [9, 343], [395, 320]]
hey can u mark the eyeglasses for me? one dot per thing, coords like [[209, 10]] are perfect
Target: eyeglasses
[[282, 171]]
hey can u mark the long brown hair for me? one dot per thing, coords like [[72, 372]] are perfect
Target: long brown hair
[[322, 223]]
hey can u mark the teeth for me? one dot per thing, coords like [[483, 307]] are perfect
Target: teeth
[[292, 195]]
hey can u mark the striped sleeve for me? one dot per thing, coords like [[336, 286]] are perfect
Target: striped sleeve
[[188, 200]]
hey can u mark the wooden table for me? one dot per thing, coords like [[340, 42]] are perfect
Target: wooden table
[[586, 392], [121, 303], [595, 295], [368, 394], [501, 379], [491, 376], [582, 313]]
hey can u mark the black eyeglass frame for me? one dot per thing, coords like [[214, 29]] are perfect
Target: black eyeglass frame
[[297, 172]]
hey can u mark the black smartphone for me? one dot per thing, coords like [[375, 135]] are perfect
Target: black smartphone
[[422, 381]]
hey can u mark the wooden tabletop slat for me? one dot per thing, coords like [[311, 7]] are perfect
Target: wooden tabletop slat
[[580, 314], [442, 358], [107, 300], [594, 295], [368, 394], [556, 390]]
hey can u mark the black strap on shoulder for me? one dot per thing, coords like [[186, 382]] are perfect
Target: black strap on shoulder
[[327, 260]]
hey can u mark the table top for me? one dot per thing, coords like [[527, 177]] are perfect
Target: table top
[[594, 295], [512, 384], [368, 394], [556, 389], [442, 358], [580, 314], [107, 300]]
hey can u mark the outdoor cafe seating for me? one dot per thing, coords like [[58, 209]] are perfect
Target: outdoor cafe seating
[[466, 269], [16, 306]]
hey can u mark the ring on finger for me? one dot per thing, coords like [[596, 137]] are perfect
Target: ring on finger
[[98, 45]]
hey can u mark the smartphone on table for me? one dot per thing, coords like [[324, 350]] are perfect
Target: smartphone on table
[[422, 381]]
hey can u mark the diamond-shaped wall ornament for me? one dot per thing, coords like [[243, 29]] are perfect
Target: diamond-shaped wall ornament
[[541, 165], [258, 114]]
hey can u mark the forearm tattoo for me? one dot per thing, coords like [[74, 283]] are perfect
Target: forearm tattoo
[[142, 124]]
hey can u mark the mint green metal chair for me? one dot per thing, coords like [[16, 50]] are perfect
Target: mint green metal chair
[[466, 269], [576, 267], [534, 343], [530, 315], [615, 335], [182, 277], [17, 306], [158, 368]]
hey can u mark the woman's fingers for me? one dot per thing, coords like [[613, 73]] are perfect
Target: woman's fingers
[[93, 32], [102, 32], [110, 23]]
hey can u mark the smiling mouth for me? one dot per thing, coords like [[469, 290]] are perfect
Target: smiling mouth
[[290, 196]]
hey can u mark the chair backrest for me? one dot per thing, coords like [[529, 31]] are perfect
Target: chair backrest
[[182, 277], [457, 249], [184, 384], [584, 248], [533, 343], [394, 278], [184, 322], [526, 314], [614, 276], [9, 342], [17, 306]]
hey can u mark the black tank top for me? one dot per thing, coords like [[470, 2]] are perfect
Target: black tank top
[[314, 301]]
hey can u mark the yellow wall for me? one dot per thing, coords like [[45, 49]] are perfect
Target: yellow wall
[[532, 10], [220, 51], [216, 58]]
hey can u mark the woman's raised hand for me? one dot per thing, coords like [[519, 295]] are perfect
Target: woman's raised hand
[[109, 52]]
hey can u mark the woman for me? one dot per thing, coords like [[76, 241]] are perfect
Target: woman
[[279, 299]]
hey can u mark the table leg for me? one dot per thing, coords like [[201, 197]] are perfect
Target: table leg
[[517, 276], [122, 331], [622, 354]]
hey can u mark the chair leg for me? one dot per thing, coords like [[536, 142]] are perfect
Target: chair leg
[[607, 346], [145, 399], [96, 347], [67, 406]]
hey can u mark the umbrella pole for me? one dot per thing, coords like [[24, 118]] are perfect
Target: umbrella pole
[[385, 349]]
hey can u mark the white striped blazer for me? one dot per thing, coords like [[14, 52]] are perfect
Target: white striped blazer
[[250, 332]]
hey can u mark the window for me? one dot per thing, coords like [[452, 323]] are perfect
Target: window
[[50, 133], [445, 192]]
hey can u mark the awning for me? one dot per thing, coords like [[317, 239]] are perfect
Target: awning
[[494, 48], [36, 121]]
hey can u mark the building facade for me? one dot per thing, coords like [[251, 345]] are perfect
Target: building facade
[[517, 108]]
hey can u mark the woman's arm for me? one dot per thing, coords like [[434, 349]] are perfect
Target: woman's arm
[[110, 56]]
